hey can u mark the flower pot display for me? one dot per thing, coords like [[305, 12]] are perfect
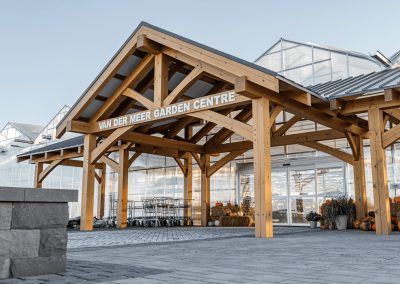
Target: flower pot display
[[313, 218], [313, 224], [338, 213], [341, 222]]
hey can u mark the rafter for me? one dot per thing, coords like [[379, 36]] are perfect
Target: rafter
[[133, 79], [183, 86], [139, 98]]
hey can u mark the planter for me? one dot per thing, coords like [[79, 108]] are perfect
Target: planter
[[341, 222], [313, 224]]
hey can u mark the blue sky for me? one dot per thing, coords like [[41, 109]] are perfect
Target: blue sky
[[50, 51]]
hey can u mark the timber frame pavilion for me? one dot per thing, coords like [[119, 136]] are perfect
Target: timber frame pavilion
[[120, 112]]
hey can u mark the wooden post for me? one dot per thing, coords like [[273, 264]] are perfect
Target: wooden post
[[379, 173], [88, 177], [262, 168], [102, 192], [359, 181], [38, 170], [122, 204], [160, 78], [205, 190], [188, 178]]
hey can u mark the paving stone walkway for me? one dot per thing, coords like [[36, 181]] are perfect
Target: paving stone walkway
[[130, 236], [295, 255]]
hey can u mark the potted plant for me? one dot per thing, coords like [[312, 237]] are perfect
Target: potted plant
[[313, 218], [339, 213]]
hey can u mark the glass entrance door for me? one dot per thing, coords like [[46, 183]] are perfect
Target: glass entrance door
[[297, 189]]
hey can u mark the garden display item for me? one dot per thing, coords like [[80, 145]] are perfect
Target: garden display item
[[313, 218]]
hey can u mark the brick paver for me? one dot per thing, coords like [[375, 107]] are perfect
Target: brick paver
[[295, 255], [130, 236]]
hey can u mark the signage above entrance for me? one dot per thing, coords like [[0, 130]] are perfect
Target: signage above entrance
[[186, 107]]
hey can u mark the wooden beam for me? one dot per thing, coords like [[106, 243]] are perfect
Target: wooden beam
[[132, 80], [262, 169], [197, 158], [379, 173], [285, 127], [223, 161], [360, 191], [205, 190], [181, 165], [183, 86], [331, 151], [98, 85], [38, 170], [231, 124], [207, 127], [110, 162], [391, 95], [78, 127], [145, 139], [179, 126], [133, 158], [247, 88], [223, 134], [361, 105], [217, 102], [122, 202], [101, 195], [353, 145], [308, 136], [98, 178], [88, 176], [108, 142], [390, 136], [48, 170], [274, 114], [230, 147], [139, 98], [394, 114], [188, 177], [160, 78], [147, 45]]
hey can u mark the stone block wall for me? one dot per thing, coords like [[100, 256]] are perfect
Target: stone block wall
[[33, 235]]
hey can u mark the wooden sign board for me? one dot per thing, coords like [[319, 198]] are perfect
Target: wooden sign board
[[174, 110]]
